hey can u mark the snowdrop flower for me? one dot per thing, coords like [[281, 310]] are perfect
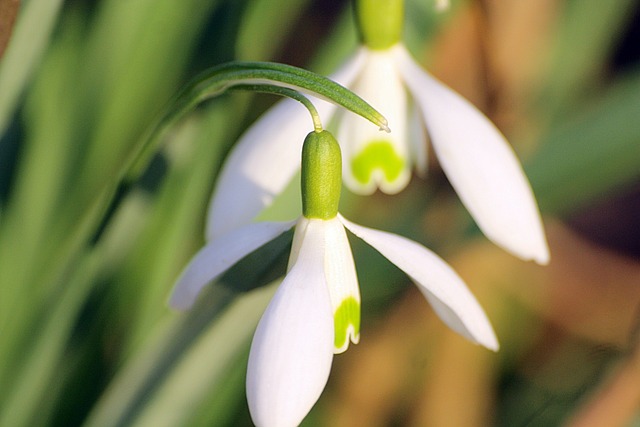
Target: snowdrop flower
[[315, 312], [478, 161]]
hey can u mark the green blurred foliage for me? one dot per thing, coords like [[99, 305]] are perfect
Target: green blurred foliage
[[87, 260]]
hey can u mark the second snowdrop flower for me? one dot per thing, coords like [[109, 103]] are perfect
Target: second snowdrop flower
[[478, 161]]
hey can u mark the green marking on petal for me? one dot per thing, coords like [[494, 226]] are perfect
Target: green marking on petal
[[378, 155], [346, 317]]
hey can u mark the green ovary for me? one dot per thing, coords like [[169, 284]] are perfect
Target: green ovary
[[378, 155], [347, 314]]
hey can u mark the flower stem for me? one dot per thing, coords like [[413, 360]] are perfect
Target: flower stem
[[290, 93]]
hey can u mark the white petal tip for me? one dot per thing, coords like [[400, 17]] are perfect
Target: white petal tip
[[495, 348], [527, 243], [539, 253], [491, 344], [377, 181], [542, 260], [542, 256], [352, 337], [481, 333]]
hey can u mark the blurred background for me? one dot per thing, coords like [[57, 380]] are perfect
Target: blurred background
[[89, 251]]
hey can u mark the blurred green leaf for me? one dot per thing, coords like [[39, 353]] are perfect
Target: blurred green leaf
[[28, 42], [223, 403], [168, 378], [40, 181], [167, 240], [586, 33], [594, 153], [48, 343], [259, 39], [337, 46], [206, 363]]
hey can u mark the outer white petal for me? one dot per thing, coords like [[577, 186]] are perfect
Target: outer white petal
[[218, 256], [445, 290], [418, 140], [265, 159], [479, 163], [292, 350], [380, 84], [342, 280]]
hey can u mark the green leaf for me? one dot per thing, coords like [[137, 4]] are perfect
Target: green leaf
[[30, 37], [173, 227], [586, 33], [219, 79], [49, 342], [167, 379], [258, 38], [595, 153]]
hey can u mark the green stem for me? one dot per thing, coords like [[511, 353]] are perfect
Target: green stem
[[290, 93]]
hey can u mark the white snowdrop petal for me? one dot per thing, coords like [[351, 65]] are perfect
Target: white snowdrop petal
[[218, 256], [258, 168], [265, 159], [292, 350], [445, 290], [479, 163], [342, 280]]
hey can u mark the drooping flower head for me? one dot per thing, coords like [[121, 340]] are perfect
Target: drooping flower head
[[478, 161], [315, 311]]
